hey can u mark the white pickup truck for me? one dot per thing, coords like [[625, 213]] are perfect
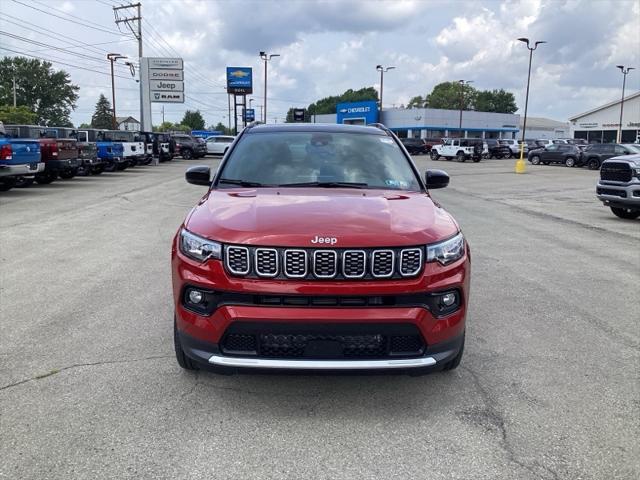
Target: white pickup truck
[[461, 149]]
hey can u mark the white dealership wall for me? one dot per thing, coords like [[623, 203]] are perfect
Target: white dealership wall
[[436, 123], [601, 124]]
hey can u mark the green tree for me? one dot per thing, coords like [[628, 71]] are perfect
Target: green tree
[[103, 116], [193, 120], [48, 93], [17, 115], [220, 127], [417, 102], [498, 101], [328, 104], [451, 95], [85, 125]]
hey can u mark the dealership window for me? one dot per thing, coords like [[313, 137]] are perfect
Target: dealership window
[[609, 136], [581, 134], [435, 134], [630, 136]]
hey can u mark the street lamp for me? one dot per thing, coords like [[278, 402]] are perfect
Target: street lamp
[[266, 57], [624, 81], [462, 85], [382, 71], [113, 57], [520, 165]]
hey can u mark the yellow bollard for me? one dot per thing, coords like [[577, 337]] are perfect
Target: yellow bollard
[[521, 166]]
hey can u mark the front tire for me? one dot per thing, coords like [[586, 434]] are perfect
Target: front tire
[[184, 361], [570, 162], [535, 160], [187, 154], [68, 174], [625, 213], [45, 178], [434, 155], [460, 157]]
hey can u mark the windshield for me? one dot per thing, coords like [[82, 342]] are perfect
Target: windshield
[[282, 158], [633, 148]]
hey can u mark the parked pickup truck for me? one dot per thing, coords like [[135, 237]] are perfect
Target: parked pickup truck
[[60, 155], [134, 151], [110, 153], [619, 185], [19, 161], [461, 149], [87, 151], [162, 146]]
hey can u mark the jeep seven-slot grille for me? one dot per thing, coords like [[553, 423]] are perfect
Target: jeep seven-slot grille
[[615, 172], [309, 264]]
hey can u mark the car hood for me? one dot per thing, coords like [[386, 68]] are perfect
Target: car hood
[[297, 217]]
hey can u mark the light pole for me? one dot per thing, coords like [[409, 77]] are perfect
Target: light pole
[[382, 69], [229, 105], [462, 84], [113, 57], [624, 81], [266, 57], [520, 165]]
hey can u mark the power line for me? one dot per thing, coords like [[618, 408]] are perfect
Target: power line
[[101, 29], [62, 63]]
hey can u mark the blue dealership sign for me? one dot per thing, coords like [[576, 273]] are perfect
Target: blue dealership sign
[[358, 113], [249, 115], [239, 80]]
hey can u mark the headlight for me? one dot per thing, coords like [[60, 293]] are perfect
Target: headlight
[[199, 248], [446, 252]]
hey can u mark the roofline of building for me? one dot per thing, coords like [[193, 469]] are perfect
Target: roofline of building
[[602, 107]]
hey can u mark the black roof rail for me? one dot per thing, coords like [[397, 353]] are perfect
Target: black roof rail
[[380, 126]]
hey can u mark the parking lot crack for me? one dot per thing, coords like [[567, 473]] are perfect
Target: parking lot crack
[[491, 419], [56, 371]]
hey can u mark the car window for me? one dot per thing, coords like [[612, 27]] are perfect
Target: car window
[[277, 158], [620, 150], [552, 148]]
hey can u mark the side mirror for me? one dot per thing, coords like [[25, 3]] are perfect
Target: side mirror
[[198, 175], [436, 179]]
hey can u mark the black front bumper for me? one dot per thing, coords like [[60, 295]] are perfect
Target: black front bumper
[[212, 357]]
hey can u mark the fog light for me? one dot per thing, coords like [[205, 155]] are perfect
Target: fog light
[[195, 296], [448, 299]]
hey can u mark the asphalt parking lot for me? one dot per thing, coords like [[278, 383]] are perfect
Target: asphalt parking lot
[[548, 388]]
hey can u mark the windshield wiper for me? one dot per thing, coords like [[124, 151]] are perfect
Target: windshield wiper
[[242, 183], [326, 184]]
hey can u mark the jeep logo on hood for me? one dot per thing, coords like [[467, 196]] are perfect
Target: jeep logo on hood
[[329, 240]]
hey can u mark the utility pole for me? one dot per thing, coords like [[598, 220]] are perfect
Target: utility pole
[[624, 81], [266, 57], [520, 164], [382, 71], [15, 103], [462, 84], [113, 57], [136, 30], [163, 113]]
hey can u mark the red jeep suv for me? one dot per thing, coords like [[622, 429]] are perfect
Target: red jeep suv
[[318, 247]]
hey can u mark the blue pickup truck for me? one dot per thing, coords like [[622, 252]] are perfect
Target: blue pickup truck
[[20, 160], [110, 153]]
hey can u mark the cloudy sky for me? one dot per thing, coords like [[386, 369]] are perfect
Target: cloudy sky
[[327, 47]]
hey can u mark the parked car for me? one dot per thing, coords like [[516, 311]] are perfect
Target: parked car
[[133, 145], [19, 161], [619, 185], [87, 151], [461, 149], [188, 147], [570, 155], [594, 155], [60, 155], [162, 146], [219, 144], [308, 258], [513, 144], [110, 153], [415, 146], [147, 139], [497, 149]]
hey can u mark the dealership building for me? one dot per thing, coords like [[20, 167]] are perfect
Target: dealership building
[[601, 124], [426, 122]]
